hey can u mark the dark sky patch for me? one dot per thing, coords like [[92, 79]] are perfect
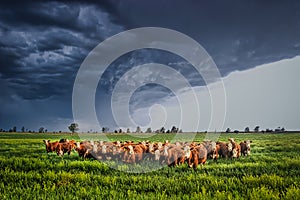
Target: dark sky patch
[[43, 43]]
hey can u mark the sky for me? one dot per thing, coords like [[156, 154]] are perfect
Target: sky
[[254, 44]]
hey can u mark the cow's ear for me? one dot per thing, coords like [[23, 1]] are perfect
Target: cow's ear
[[245, 141], [44, 141], [250, 141]]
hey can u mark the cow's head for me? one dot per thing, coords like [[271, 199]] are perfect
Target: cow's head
[[77, 145], [229, 146], [231, 140], [194, 152], [214, 149], [130, 149], [95, 148], [59, 150], [187, 151], [114, 150], [151, 148], [103, 149], [159, 145], [248, 142], [48, 145], [234, 153], [46, 142], [157, 155]]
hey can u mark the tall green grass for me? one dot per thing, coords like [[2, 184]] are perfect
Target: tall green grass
[[28, 172]]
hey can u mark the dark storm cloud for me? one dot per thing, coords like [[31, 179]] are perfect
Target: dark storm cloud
[[237, 34], [42, 44]]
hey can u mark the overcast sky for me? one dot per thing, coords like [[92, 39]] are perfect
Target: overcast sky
[[42, 45]]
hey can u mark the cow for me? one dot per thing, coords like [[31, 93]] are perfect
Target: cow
[[211, 148], [65, 147], [223, 149], [176, 155], [233, 148], [245, 147], [63, 140], [50, 146], [198, 155], [84, 150], [133, 153]]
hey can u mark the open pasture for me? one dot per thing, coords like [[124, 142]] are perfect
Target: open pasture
[[272, 171]]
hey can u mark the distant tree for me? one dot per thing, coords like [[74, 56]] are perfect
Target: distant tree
[[256, 129], [128, 130], [247, 130], [41, 130], [14, 129], [105, 129], [138, 129], [149, 130], [23, 129], [73, 127], [168, 131], [174, 129], [282, 129], [162, 130], [269, 130], [228, 130], [236, 131], [115, 131], [120, 130], [45, 131], [180, 131]]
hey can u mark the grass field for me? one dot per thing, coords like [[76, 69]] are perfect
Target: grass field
[[28, 172]]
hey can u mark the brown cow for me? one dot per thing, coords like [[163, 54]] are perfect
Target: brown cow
[[177, 154], [84, 150], [211, 148], [133, 153], [222, 148], [233, 148], [198, 156], [65, 147], [50, 146], [245, 147]]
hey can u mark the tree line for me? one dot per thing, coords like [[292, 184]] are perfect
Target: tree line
[[74, 127], [256, 129]]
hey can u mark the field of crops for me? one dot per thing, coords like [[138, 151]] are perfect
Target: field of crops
[[28, 172]]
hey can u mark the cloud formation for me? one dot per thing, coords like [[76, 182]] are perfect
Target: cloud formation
[[266, 95], [42, 45]]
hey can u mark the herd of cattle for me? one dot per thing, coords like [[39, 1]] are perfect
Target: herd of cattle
[[168, 153]]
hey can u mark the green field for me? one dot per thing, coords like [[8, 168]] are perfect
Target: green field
[[28, 172]]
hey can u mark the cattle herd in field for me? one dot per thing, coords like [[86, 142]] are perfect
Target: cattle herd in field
[[168, 153]]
